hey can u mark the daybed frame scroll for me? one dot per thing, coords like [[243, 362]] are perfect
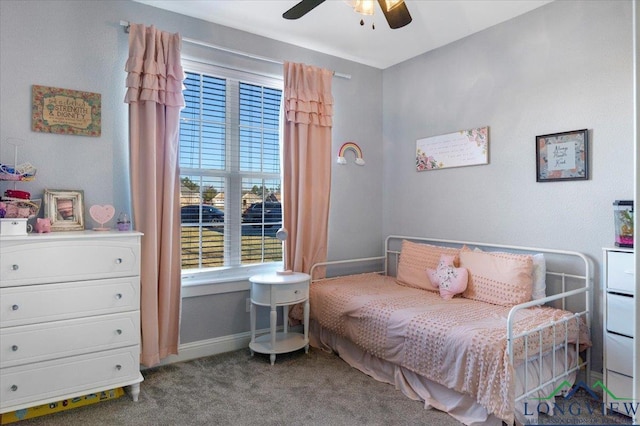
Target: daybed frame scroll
[[581, 274]]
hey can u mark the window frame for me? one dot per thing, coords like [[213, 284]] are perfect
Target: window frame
[[229, 278]]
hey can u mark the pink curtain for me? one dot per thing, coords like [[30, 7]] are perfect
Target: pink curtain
[[154, 95], [308, 110]]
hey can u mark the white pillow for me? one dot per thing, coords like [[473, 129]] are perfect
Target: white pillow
[[539, 290]]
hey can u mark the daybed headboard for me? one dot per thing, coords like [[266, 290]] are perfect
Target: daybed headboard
[[566, 271]]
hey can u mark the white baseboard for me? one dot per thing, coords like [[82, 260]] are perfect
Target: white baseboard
[[209, 347], [215, 346]]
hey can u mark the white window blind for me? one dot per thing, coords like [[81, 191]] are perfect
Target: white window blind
[[230, 170]]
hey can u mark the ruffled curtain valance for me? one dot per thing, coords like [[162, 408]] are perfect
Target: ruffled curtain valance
[[153, 68], [307, 95]]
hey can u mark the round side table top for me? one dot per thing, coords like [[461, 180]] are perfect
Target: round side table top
[[275, 278]]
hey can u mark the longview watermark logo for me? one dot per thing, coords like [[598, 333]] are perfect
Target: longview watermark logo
[[569, 409]]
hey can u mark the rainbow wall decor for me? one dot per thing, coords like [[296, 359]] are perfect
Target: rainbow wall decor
[[350, 146]]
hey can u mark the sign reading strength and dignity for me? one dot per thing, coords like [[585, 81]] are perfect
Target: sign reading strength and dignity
[[65, 111], [463, 148]]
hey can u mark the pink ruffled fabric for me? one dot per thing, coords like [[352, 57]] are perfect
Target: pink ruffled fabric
[[307, 94], [154, 68]]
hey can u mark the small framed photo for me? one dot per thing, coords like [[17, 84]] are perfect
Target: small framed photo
[[65, 208], [562, 156]]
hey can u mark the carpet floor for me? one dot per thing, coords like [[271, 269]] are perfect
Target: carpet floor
[[237, 389]]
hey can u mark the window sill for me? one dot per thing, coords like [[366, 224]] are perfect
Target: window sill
[[223, 280]]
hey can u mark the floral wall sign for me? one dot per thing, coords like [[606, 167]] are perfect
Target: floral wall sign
[[65, 111], [462, 148], [562, 156]]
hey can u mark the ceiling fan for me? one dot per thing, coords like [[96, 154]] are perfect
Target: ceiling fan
[[395, 11]]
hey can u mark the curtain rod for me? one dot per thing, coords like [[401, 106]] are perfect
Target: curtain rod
[[126, 25]]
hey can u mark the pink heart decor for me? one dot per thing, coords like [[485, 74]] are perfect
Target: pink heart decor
[[102, 215]]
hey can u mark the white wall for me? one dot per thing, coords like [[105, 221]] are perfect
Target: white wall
[[564, 66]]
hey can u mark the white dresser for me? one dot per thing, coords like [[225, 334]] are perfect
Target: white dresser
[[619, 285], [69, 316]]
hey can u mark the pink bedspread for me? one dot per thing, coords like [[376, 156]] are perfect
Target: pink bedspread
[[459, 343]]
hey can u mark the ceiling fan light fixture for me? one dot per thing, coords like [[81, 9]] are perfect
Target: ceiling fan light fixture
[[392, 4], [364, 7]]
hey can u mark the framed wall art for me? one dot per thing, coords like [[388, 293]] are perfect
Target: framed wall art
[[65, 208], [462, 148], [65, 111], [562, 156]]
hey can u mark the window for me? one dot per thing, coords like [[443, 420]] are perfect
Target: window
[[230, 190]]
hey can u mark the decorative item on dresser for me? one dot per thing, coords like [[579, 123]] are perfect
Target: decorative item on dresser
[[102, 214], [65, 209], [16, 206], [619, 331], [623, 222], [275, 290], [69, 316]]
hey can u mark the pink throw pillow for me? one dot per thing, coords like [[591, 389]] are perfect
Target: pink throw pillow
[[449, 279], [504, 279], [415, 258]]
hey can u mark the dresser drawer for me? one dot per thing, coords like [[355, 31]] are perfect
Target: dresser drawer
[[621, 387], [619, 354], [57, 339], [620, 314], [34, 384], [283, 294], [620, 272], [50, 302], [55, 261]]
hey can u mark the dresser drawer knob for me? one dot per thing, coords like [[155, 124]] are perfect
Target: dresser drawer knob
[[118, 367], [14, 388], [118, 296], [118, 331], [297, 292], [119, 260], [15, 267], [14, 348], [15, 307]]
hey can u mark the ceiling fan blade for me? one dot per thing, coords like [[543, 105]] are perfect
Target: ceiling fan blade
[[397, 17], [301, 9]]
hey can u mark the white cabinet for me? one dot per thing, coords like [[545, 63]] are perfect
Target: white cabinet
[[619, 330], [69, 316]]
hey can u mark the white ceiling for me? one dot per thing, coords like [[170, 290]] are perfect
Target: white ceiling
[[333, 27]]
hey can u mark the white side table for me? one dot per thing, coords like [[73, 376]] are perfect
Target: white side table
[[279, 290]]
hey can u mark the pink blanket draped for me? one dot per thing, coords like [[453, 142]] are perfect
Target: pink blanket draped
[[459, 343]]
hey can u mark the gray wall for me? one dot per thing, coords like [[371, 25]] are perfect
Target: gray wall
[[565, 66], [80, 45]]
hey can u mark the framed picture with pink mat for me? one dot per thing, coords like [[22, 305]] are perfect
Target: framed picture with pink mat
[[65, 209]]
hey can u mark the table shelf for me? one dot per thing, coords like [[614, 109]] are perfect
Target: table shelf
[[288, 342]]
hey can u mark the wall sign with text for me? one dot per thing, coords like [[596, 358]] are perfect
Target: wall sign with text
[[562, 156], [462, 148], [65, 111]]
